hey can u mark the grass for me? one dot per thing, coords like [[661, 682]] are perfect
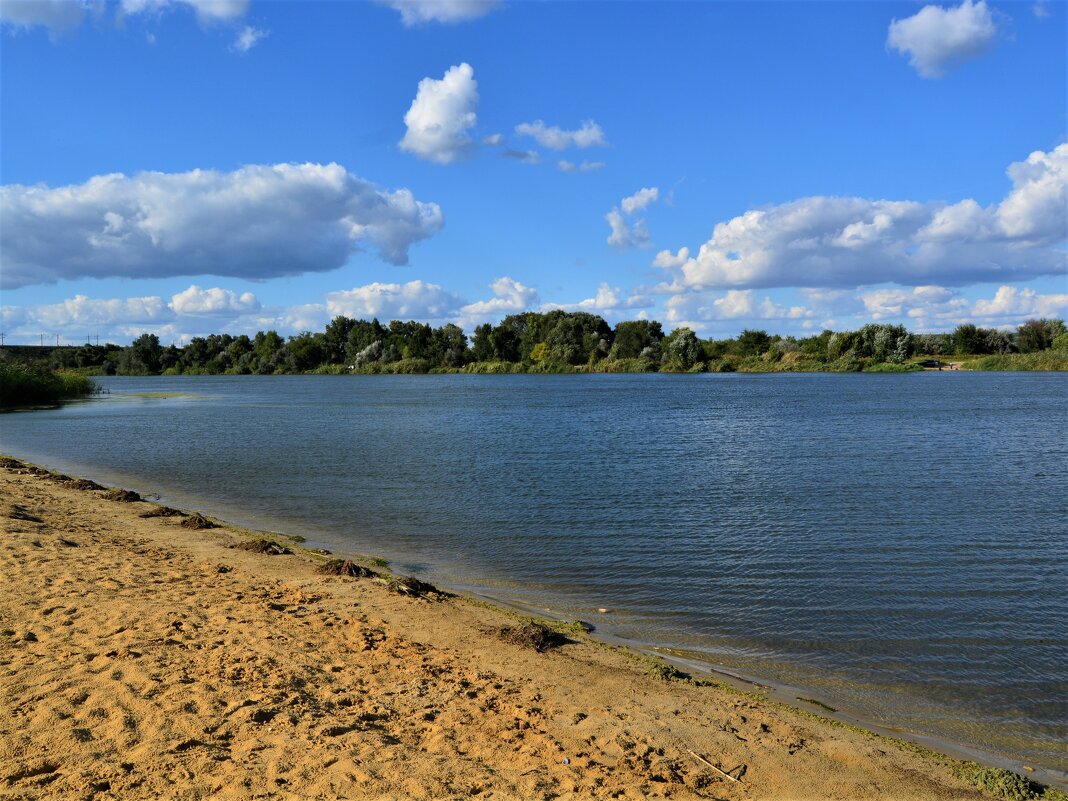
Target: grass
[[22, 385], [1042, 360]]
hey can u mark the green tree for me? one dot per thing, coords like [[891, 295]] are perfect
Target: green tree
[[307, 350], [682, 349], [336, 338], [539, 354], [449, 346], [752, 342], [967, 338], [632, 337], [146, 353], [482, 344], [1036, 335]]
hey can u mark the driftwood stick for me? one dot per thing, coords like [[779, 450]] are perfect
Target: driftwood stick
[[722, 773]]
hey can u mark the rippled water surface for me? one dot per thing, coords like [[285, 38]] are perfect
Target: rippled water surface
[[897, 544]]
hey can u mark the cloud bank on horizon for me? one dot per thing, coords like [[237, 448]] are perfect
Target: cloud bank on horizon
[[799, 261], [256, 222]]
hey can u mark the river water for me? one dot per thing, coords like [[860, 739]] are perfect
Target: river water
[[897, 545]]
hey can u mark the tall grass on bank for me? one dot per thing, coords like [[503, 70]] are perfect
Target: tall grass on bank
[[1041, 360], [21, 385]]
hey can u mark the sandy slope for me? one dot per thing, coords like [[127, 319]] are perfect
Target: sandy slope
[[139, 659]]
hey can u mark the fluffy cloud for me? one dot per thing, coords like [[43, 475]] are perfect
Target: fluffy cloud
[[418, 12], [214, 301], [734, 304], [1036, 209], [81, 311], [206, 10], [607, 301], [935, 308], [666, 260], [937, 38], [256, 222], [415, 300], [247, 39], [849, 241], [588, 135], [623, 235], [58, 16], [441, 115], [920, 301], [585, 166], [64, 16], [640, 200], [509, 296], [81, 316], [1020, 304]]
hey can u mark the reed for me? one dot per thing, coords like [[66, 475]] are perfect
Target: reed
[[23, 385]]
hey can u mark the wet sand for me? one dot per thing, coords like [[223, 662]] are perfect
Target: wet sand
[[141, 659]]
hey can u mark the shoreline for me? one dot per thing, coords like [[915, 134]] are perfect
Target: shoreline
[[632, 664], [806, 700]]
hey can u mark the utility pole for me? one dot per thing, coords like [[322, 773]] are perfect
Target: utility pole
[[2, 335]]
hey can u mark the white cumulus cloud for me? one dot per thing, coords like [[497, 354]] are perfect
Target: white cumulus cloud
[[734, 304], [58, 16], [1021, 304], [414, 300], [937, 38], [509, 296], [584, 166], [247, 38], [206, 10], [418, 12], [608, 301], [441, 115], [588, 134], [256, 222], [622, 234], [666, 260], [640, 200], [213, 301], [850, 241]]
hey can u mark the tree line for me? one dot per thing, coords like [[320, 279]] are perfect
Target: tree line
[[554, 341]]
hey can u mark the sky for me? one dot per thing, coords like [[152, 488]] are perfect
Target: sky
[[186, 167]]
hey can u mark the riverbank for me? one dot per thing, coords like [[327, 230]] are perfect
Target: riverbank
[[141, 659]]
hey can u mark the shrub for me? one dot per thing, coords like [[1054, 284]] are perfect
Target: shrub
[[21, 385]]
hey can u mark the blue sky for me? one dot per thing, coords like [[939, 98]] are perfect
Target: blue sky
[[195, 166]]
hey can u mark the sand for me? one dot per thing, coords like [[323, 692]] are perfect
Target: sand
[[140, 659]]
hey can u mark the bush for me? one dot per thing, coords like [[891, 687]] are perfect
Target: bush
[[1042, 360], [22, 385]]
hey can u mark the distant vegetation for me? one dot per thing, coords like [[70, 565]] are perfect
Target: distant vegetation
[[565, 342], [26, 385]]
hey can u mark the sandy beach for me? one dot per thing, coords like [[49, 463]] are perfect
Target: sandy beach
[[142, 659]]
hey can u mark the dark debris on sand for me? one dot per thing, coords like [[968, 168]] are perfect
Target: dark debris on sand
[[413, 587], [122, 496], [265, 546], [345, 567], [533, 635], [197, 521], [85, 485], [162, 511]]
